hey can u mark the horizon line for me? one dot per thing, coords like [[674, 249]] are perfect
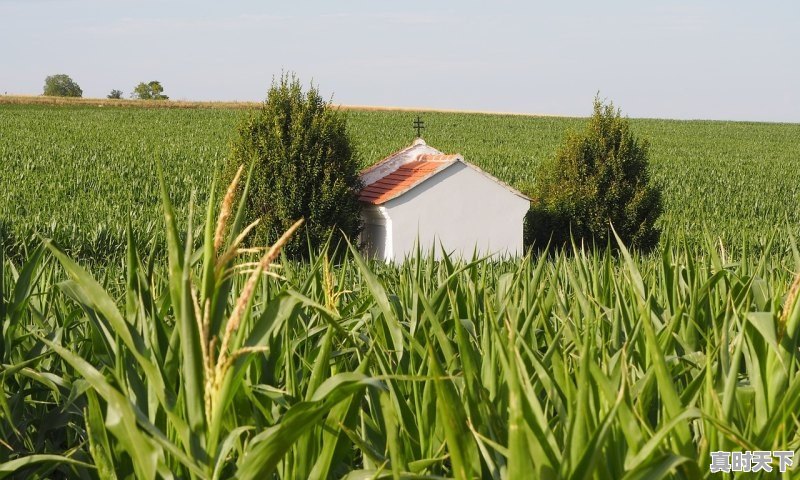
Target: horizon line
[[31, 99]]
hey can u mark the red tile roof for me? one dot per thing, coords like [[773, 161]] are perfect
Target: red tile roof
[[403, 170], [404, 178]]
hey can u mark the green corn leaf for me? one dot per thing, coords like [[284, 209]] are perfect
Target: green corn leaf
[[121, 419], [657, 468], [341, 416], [397, 460], [25, 283], [268, 448], [13, 466], [193, 379], [450, 411], [94, 297], [99, 446], [379, 294], [225, 448]]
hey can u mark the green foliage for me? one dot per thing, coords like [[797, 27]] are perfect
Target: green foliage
[[61, 85], [598, 176], [149, 91], [581, 366], [79, 172], [115, 94], [304, 166]]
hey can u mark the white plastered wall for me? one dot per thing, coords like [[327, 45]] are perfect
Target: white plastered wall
[[460, 207]]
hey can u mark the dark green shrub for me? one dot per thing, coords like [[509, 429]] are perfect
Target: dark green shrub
[[597, 178], [305, 165]]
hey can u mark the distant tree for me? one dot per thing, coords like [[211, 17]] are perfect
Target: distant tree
[[149, 91], [598, 177], [61, 85], [304, 165], [142, 92], [115, 94]]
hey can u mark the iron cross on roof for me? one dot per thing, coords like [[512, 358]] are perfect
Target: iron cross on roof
[[419, 125]]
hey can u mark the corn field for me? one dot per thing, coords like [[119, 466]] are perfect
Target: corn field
[[224, 361], [78, 174], [140, 339]]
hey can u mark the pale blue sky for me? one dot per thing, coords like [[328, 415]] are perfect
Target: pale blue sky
[[672, 59]]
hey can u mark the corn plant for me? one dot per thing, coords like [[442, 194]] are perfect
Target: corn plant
[[228, 362], [167, 376]]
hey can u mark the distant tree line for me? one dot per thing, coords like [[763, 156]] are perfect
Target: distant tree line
[[61, 85]]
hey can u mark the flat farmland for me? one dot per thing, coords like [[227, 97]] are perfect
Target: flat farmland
[[139, 363], [76, 173]]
